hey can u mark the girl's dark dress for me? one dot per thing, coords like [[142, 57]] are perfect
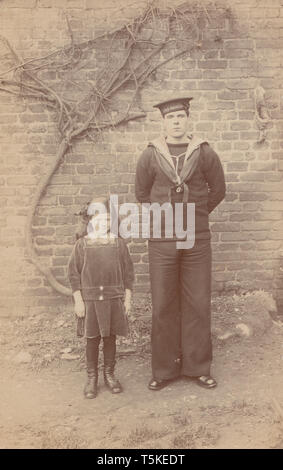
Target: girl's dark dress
[[102, 269]]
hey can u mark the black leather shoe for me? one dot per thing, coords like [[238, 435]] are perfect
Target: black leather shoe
[[206, 381], [158, 384]]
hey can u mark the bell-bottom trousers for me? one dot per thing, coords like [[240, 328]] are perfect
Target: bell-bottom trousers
[[181, 305]]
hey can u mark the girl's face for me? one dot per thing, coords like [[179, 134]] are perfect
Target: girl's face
[[99, 225]]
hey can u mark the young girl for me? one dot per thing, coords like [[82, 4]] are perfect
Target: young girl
[[101, 276]]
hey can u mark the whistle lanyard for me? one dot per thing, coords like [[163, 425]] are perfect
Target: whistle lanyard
[[176, 159]]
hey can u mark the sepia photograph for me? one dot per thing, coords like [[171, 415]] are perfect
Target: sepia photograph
[[141, 189]]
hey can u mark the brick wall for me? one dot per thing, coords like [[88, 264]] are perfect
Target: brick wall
[[235, 56]]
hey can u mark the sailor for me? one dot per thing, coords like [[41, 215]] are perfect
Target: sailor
[[179, 168]]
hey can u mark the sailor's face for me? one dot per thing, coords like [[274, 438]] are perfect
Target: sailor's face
[[176, 124]]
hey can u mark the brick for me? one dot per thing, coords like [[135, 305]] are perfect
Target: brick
[[263, 166], [252, 226], [174, 84], [30, 118], [59, 179], [239, 44], [82, 179], [212, 64], [210, 85], [246, 115], [8, 191], [62, 231], [75, 158], [277, 196], [225, 227], [249, 176], [142, 288], [225, 256], [20, 4], [244, 276], [269, 43], [63, 251], [60, 261], [186, 74], [265, 12], [204, 126], [46, 231], [142, 278], [218, 267], [103, 169], [226, 247], [244, 84], [128, 178], [138, 248], [118, 189], [141, 269], [45, 251], [211, 74], [223, 146], [43, 241], [8, 118], [225, 276], [62, 220], [52, 211], [278, 226], [252, 206], [237, 166], [48, 201], [252, 135], [274, 235], [232, 95], [210, 115], [240, 217], [212, 105], [230, 136], [268, 215], [268, 245], [258, 235], [246, 105], [238, 156], [240, 126], [85, 169], [277, 155], [235, 54], [231, 177], [236, 266], [241, 145], [264, 275], [235, 236], [21, 180], [125, 148], [253, 196], [242, 64], [35, 282]]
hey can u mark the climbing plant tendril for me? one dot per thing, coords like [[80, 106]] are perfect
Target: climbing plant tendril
[[132, 54]]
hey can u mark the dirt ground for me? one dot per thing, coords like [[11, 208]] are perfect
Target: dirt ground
[[42, 377]]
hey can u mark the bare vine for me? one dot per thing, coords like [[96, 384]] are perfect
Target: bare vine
[[135, 51]]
